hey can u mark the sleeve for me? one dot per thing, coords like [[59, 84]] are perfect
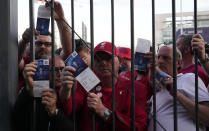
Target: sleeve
[[123, 121], [203, 75], [60, 122], [186, 84], [80, 96], [21, 112]]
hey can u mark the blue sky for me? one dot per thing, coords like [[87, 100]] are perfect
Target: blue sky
[[102, 17]]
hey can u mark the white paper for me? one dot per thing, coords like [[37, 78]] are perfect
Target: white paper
[[39, 86], [88, 79], [143, 45]]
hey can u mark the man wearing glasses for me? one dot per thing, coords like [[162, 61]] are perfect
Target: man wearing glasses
[[49, 117], [43, 42], [42, 46]]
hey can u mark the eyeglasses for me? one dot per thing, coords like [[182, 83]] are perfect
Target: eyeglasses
[[57, 69], [46, 44]]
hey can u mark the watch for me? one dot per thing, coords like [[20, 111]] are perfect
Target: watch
[[107, 114]]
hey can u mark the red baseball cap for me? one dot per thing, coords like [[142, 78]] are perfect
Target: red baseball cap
[[124, 52], [105, 47]]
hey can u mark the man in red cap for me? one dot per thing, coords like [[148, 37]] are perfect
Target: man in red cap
[[124, 55], [100, 100], [124, 58]]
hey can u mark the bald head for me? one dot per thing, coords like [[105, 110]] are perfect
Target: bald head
[[165, 59]]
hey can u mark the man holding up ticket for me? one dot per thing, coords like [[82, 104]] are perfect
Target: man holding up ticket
[[185, 95], [49, 115], [100, 100]]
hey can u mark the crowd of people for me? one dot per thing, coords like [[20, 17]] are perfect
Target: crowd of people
[[54, 109]]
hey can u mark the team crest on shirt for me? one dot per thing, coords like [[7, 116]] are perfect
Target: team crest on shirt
[[124, 76], [102, 46]]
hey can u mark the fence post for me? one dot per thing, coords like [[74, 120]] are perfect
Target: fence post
[[9, 60]]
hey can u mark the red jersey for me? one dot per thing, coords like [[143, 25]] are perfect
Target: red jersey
[[144, 80], [123, 107], [201, 73], [21, 81]]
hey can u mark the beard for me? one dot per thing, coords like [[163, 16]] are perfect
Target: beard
[[42, 55]]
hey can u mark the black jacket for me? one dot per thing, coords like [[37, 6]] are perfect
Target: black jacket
[[22, 116]]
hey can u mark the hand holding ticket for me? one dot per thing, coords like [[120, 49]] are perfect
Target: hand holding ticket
[[83, 74], [41, 77]]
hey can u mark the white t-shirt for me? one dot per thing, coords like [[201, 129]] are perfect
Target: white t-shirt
[[164, 104]]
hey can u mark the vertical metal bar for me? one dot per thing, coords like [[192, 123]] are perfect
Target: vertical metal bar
[[196, 70], [52, 37], [92, 50], [32, 37], [92, 32], [132, 67], [153, 59], [174, 65], [113, 65], [32, 58], [195, 16], [52, 49], [73, 48]]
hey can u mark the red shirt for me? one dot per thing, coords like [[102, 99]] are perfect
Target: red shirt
[[21, 81], [201, 73], [144, 80], [123, 107]]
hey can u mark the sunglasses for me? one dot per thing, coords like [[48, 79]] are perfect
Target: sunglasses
[[46, 44]]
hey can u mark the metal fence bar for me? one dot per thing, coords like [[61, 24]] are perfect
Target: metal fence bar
[[174, 65], [32, 58], [92, 51], [153, 59], [196, 70], [73, 48], [32, 38], [52, 38], [113, 64], [132, 67]]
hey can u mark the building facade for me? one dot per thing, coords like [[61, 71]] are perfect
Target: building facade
[[184, 25]]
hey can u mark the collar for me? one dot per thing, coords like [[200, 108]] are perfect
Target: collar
[[179, 75]]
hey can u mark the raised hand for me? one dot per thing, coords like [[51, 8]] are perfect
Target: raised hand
[[198, 44], [49, 99], [28, 73], [67, 80], [94, 102]]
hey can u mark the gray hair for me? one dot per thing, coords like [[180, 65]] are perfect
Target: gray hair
[[178, 52]]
